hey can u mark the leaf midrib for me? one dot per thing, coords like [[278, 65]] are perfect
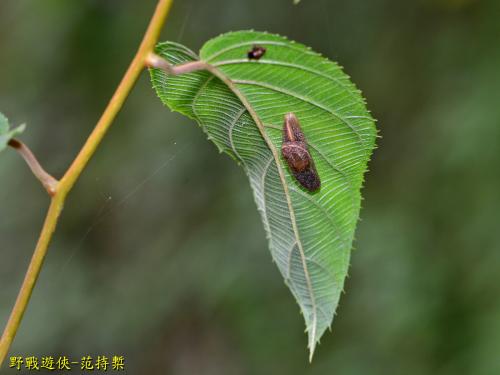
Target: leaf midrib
[[231, 85]]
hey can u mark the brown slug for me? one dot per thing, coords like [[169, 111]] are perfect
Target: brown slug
[[296, 154]]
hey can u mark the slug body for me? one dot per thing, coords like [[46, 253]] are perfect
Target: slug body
[[297, 156], [256, 52]]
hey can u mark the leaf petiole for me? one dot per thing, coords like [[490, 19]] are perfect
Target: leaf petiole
[[48, 182], [155, 61]]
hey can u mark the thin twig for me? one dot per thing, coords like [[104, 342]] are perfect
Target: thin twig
[[48, 182], [76, 168]]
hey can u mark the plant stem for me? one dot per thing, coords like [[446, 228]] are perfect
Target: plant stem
[[48, 182], [71, 176]]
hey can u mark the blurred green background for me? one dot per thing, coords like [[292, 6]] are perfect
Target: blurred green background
[[160, 254]]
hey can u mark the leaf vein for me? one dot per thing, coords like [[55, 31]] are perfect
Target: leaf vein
[[231, 128], [307, 100], [349, 90], [259, 42]]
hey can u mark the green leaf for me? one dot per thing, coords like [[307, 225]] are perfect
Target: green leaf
[[241, 104], [6, 134]]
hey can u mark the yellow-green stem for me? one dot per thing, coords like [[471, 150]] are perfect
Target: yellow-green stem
[[71, 176]]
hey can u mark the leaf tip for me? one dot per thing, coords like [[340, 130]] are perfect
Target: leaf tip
[[20, 128], [313, 339], [311, 353]]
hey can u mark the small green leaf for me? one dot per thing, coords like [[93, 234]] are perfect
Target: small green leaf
[[241, 104], [6, 134]]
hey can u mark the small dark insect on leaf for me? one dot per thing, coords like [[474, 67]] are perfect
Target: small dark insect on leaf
[[296, 154], [256, 52]]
